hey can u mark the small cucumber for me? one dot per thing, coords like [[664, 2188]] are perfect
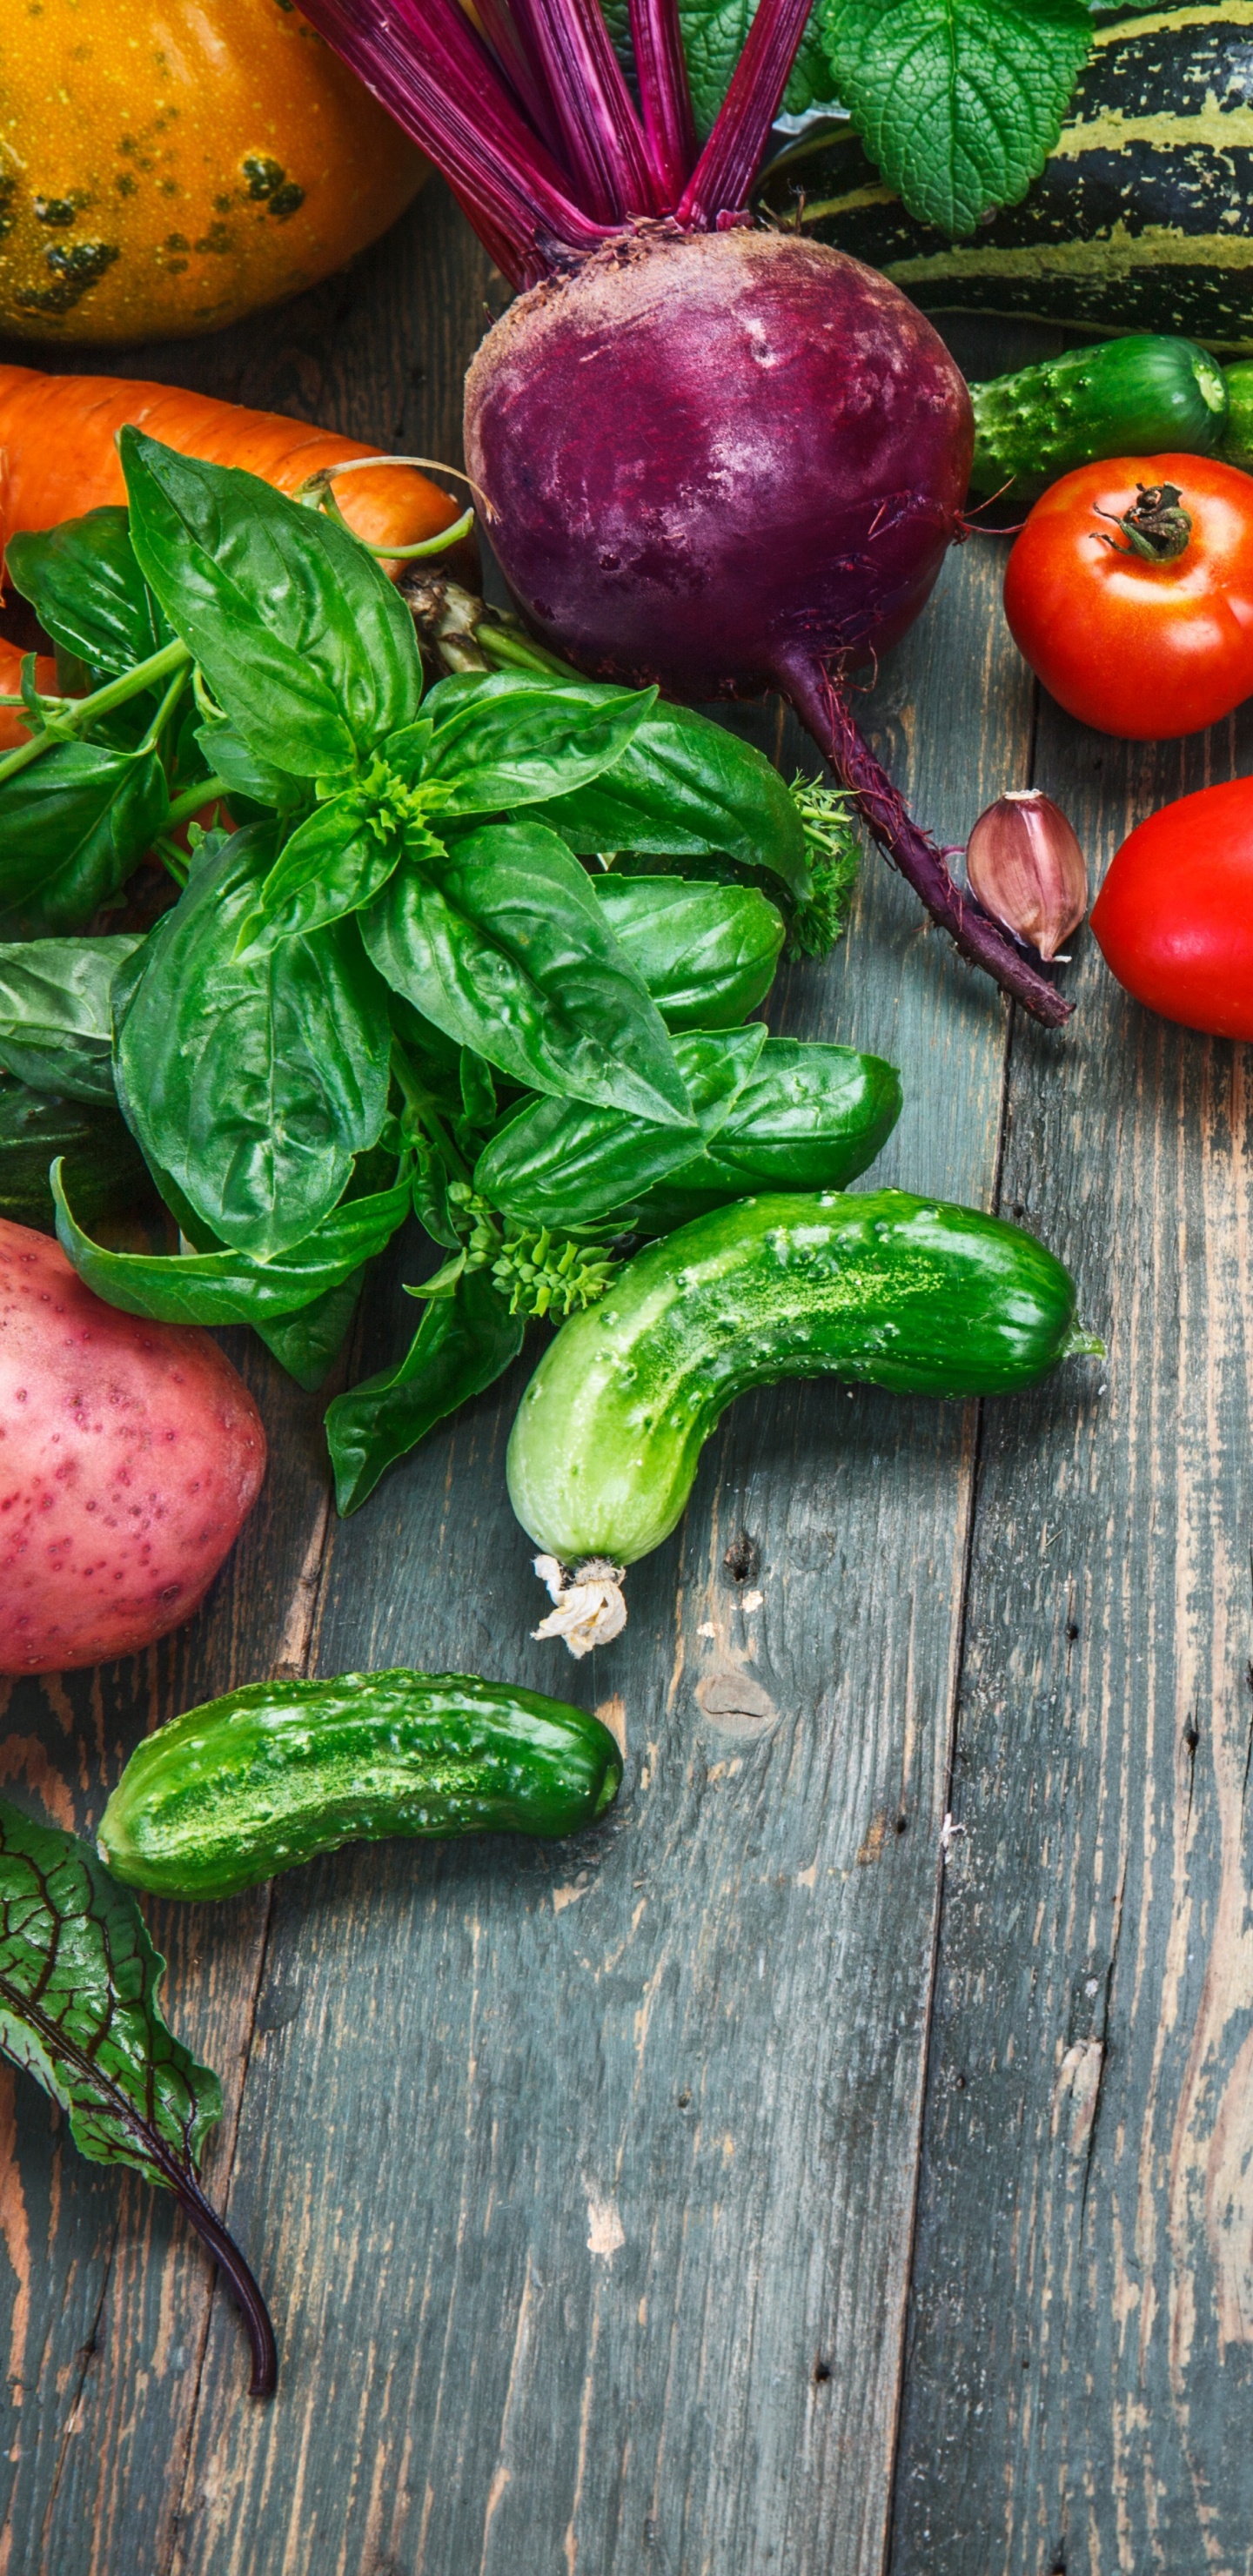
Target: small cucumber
[[906, 1293], [233, 1792], [1142, 396], [1237, 439]]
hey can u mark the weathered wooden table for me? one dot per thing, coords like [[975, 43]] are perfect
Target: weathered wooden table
[[776, 2180]]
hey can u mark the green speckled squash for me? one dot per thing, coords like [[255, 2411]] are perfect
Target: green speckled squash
[[233, 1792], [1139, 220], [166, 169]]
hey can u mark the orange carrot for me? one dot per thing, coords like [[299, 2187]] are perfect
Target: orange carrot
[[58, 454], [13, 725]]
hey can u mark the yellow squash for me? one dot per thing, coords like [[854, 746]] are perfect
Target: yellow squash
[[168, 165]]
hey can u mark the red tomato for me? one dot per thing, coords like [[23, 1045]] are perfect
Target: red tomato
[[1146, 650], [1174, 918]]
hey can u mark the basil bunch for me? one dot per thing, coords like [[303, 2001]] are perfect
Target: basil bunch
[[393, 985]]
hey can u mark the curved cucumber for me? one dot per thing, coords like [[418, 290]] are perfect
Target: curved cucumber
[[245, 1786], [1143, 396], [902, 1292]]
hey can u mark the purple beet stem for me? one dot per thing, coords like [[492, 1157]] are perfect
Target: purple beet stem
[[603, 143], [819, 702], [661, 68], [227, 2256], [728, 165]]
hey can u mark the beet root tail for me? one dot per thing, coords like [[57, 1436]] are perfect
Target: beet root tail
[[819, 701]]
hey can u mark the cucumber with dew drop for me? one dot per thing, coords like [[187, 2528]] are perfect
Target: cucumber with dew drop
[[900, 1292], [1146, 395], [273, 1774]]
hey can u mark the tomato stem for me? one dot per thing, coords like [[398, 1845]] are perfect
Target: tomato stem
[[1157, 527]]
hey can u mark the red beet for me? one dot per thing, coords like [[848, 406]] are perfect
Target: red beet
[[654, 535], [721, 459], [130, 1455]]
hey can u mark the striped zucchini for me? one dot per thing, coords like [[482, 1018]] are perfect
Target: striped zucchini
[[1139, 220]]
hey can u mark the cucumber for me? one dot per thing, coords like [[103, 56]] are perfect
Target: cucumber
[[1237, 440], [901, 1292], [233, 1792], [1142, 396], [1137, 222], [707, 952]]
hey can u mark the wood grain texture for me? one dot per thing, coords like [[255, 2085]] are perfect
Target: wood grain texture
[[1079, 2369], [585, 2180], [104, 2293]]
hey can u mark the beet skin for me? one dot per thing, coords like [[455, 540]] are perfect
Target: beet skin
[[706, 452], [130, 1455]]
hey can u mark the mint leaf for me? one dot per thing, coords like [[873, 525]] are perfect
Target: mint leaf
[[713, 40], [958, 101]]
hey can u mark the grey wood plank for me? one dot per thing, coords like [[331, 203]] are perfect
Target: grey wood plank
[[584, 2180], [104, 2293], [1079, 2365]]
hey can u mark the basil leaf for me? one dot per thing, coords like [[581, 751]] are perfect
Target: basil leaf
[[335, 862], [230, 1287], [958, 101], [511, 954], [809, 1117], [72, 827], [106, 1169], [707, 953], [88, 592], [462, 1343], [78, 2007], [302, 639], [560, 1163], [685, 786], [243, 772], [55, 1026], [253, 1086], [512, 738], [308, 1343]]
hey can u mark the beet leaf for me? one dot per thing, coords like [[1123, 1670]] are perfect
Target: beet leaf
[[78, 2011]]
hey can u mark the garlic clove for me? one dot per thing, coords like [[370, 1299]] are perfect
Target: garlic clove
[[1026, 868]]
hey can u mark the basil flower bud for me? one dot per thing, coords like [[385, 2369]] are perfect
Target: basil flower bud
[[1026, 868]]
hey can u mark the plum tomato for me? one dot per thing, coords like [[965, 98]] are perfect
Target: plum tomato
[[1130, 593], [1174, 918]]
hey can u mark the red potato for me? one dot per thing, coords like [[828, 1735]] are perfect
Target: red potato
[[130, 1456]]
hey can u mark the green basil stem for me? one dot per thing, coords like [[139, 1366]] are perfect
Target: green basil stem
[[425, 1109], [193, 799], [163, 714], [173, 860], [83, 712], [514, 651]]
